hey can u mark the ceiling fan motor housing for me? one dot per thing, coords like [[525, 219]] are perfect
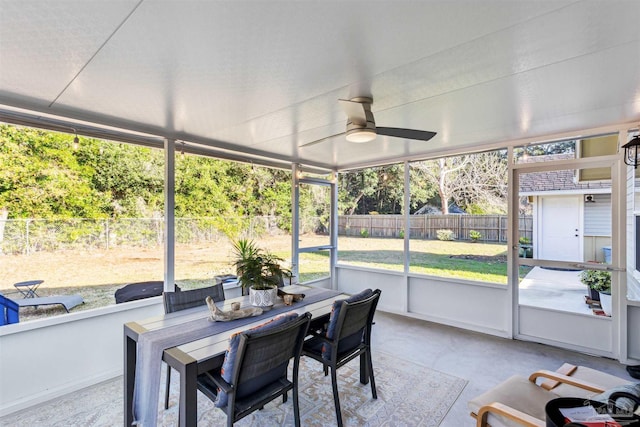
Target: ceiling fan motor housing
[[362, 129]]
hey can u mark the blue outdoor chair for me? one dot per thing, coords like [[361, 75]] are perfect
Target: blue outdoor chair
[[11, 308], [9, 311]]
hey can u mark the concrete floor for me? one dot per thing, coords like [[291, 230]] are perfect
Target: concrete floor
[[482, 360], [558, 289]]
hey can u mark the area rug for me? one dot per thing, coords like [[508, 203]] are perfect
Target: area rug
[[408, 395]]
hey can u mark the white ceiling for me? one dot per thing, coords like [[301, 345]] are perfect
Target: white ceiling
[[264, 77]]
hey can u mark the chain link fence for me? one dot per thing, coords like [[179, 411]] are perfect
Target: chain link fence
[[25, 236]]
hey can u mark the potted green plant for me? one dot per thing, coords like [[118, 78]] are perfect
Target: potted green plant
[[259, 271], [599, 283], [525, 248]]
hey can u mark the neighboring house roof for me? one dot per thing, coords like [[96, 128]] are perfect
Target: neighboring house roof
[[558, 180], [433, 210]]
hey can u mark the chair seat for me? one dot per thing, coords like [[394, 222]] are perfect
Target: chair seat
[[67, 301], [313, 347], [517, 392], [267, 393], [602, 379]]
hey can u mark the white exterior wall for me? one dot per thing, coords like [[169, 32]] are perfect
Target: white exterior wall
[[47, 358], [580, 332], [597, 216], [475, 306]]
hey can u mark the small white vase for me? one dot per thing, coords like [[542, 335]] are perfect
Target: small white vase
[[605, 303], [263, 298]]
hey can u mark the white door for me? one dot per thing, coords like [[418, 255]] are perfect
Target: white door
[[560, 228]]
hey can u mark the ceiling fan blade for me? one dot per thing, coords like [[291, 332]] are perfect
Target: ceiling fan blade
[[355, 111], [422, 135], [317, 141]]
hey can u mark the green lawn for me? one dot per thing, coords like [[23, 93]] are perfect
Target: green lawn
[[457, 259]]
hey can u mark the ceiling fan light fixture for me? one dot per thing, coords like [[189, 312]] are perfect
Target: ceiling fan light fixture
[[361, 135]]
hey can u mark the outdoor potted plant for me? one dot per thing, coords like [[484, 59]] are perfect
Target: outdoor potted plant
[[259, 271], [525, 248], [599, 283]]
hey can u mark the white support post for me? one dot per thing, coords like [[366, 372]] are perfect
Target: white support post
[[295, 223], [407, 232], [619, 215], [513, 195], [169, 214], [334, 229]]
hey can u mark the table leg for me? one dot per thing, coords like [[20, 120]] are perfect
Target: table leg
[[188, 395], [130, 348]]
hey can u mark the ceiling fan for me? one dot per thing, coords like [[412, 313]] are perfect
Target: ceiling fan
[[361, 126]]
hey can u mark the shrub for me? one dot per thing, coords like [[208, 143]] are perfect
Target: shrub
[[524, 240], [364, 232], [598, 280], [401, 234], [445, 235], [475, 235]]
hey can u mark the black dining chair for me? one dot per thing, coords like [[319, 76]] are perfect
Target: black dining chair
[[346, 336], [255, 370], [182, 300]]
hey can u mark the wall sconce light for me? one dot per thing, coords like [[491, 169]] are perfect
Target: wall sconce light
[[631, 151]]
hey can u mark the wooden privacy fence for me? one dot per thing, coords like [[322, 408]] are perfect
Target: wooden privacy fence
[[493, 228]]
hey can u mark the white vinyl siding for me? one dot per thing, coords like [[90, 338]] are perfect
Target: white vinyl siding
[[597, 216]]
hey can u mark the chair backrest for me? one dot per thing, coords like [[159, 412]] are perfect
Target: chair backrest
[[263, 356], [181, 300], [139, 290], [354, 321], [9, 311]]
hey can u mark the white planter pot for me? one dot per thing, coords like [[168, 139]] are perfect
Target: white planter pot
[[605, 303], [263, 298]]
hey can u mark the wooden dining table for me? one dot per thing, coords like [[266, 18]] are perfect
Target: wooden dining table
[[195, 357]]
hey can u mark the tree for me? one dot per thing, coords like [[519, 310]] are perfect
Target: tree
[[131, 178], [377, 189], [41, 177], [477, 181]]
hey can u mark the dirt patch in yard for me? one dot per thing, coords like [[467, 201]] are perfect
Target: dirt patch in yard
[[96, 274], [482, 258]]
